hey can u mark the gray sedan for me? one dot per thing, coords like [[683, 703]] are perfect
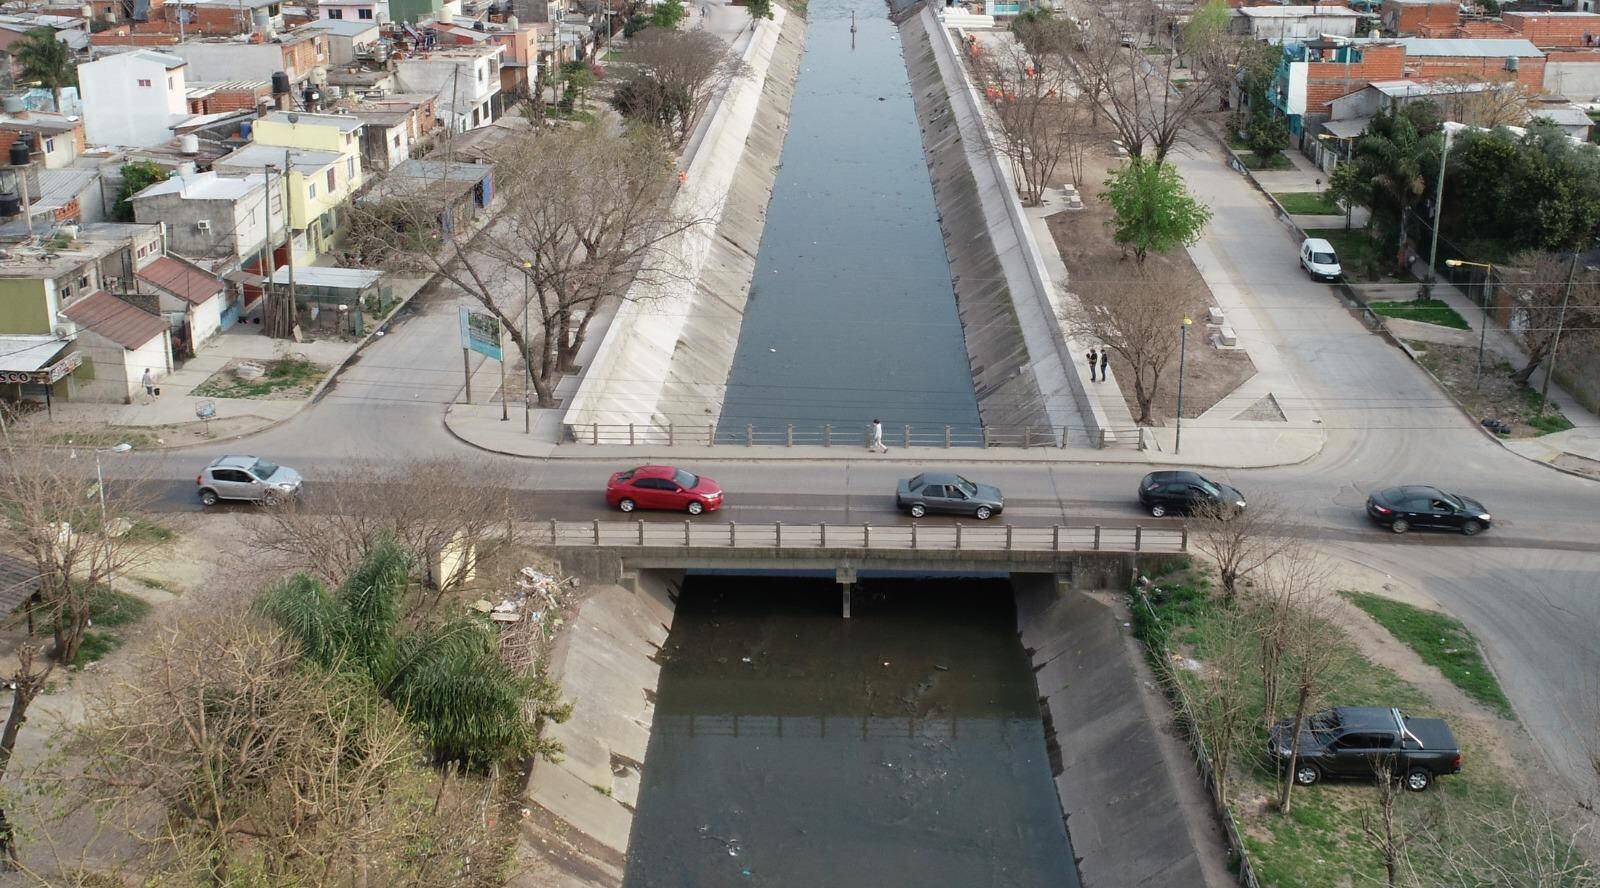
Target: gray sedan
[[945, 492]]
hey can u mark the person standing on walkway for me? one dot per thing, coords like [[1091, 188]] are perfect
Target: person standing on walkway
[[1105, 360], [877, 445], [1093, 358], [149, 383]]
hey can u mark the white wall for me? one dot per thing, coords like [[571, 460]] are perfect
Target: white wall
[[479, 81], [1578, 81], [230, 61], [118, 371], [118, 111]]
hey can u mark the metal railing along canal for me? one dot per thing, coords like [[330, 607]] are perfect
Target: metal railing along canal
[[847, 435], [955, 537]]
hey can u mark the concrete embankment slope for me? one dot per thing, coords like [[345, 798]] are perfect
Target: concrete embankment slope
[[1022, 368], [583, 805], [671, 345], [1133, 802]]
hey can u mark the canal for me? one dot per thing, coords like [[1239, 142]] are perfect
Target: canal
[[792, 747], [851, 314]]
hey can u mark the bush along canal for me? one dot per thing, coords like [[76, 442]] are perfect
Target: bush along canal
[[903, 746]]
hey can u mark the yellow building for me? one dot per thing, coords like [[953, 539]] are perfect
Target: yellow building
[[323, 157]]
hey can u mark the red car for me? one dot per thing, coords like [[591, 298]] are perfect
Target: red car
[[663, 487]]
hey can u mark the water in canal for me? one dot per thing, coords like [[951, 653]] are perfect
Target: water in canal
[[851, 313], [792, 747]]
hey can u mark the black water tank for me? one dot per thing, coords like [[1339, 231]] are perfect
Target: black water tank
[[280, 83], [19, 153], [10, 204]]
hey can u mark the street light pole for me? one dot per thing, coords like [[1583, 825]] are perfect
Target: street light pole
[[527, 366], [1450, 128], [100, 488], [1555, 344], [1183, 350], [1483, 300]]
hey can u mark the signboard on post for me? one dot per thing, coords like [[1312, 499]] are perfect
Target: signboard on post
[[480, 332]]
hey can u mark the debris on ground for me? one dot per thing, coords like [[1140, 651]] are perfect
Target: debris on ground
[[530, 614]]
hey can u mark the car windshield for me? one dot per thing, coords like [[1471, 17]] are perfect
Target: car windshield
[[915, 483], [1450, 501], [263, 469], [1208, 486], [1323, 721], [686, 480], [967, 487], [1324, 259]]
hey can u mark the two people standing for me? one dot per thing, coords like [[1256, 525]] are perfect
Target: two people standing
[[1103, 358]]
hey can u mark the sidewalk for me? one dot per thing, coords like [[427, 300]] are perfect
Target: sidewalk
[[1576, 449]]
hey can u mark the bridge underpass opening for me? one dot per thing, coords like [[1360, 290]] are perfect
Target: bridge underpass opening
[[904, 746]]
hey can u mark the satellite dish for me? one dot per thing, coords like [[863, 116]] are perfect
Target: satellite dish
[[294, 118]]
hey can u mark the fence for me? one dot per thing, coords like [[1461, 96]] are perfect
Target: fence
[[848, 435], [897, 537]]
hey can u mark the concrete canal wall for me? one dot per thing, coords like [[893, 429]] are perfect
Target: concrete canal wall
[[671, 344], [1021, 361]]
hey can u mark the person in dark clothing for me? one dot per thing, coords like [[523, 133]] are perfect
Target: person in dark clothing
[[1105, 360], [1093, 357]]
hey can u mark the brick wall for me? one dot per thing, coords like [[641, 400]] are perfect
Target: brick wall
[[119, 36], [233, 99], [1530, 72], [1554, 30], [1407, 19], [1326, 81]]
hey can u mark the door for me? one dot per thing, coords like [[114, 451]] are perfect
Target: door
[[933, 497], [647, 493], [1174, 496], [1434, 512], [231, 483]]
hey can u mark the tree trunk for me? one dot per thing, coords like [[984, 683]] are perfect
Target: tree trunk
[[1294, 749], [1522, 376], [28, 687]]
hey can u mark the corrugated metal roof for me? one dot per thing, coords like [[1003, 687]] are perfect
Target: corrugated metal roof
[[110, 317], [18, 582], [322, 276], [26, 354], [1565, 115], [181, 280], [1470, 48]]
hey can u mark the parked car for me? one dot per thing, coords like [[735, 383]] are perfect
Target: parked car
[[1319, 260], [1416, 505], [947, 492], [246, 478], [1164, 492], [1351, 741], [663, 487]]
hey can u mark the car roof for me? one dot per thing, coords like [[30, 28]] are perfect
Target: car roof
[[1173, 476], [1317, 243], [1407, 491], [1359, 718], [234, 462], [654, 472], [939, 478]]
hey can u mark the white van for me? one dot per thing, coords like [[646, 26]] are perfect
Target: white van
[[1319, 260]]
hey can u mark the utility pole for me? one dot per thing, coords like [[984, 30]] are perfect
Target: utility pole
[[290, 321], [528, 271], [266, 204], [1555, 344], [1183, 350]]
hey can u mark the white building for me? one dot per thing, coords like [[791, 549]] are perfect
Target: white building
[[465, 81], [1280, 24], [132, 99]]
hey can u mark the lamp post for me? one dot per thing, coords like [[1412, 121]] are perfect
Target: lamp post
[[100, 488], [1483, 325], [527, 365], [1555, 345], [1183, 349], [1450, 129]]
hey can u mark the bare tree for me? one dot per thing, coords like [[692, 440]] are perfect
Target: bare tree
[[1219, 707], [1382, 824], [1240, 541], [1031, 102], [1553, 298], [689, 70], [1520, 844], [1479, 103], [1314, 651], [584, 212], [1140, 320]]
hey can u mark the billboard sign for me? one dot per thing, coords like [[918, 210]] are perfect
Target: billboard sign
[[480, 331]]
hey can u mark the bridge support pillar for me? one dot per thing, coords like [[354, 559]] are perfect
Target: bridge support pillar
[[846, 577]]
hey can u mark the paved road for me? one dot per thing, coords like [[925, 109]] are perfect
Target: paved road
[[1527, 587]]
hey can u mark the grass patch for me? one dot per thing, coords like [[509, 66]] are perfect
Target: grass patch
[[144, 530], [1442, 642], [94, 647], [1359, 255], [109, 611], [287, 375], [555, 112], [108, 438], [1307, 203], [1427, 311], [1253, 161], [151, 583]]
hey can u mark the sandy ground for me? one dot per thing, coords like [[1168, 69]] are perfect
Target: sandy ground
[[1090, 254]]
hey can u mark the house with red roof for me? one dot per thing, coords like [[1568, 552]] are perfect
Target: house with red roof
[[189, 298]]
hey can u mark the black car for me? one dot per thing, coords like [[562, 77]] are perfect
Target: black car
[[947, 492], [1417, 505], [1352, 741], [1163, 492]]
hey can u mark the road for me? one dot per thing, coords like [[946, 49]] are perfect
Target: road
[[1526, 587]]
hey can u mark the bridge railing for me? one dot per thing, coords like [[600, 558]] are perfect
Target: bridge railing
[[948, 537], [846, 435]]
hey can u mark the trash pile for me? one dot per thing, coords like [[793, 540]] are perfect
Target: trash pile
[[530, 615]]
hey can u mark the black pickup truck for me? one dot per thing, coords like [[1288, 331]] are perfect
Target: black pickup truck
[[1351, 741]]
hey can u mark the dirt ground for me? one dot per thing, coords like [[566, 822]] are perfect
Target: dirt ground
[[1089, 252], [1498, 396]]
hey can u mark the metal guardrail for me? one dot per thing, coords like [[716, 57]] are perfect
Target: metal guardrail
[[847, 435], [866, 537]]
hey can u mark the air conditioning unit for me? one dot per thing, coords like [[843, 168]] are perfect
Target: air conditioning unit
[[202, 225], [1511, 63], [66, 330]]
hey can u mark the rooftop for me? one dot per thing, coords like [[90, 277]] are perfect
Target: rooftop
[[324, 276], [43, 123], [1563, 115], [115, 320], [416, 178], [201, 90], [347, 123], [1298, 12], [253, 157], [205, 186], [25, 354], [229, 4], [381, 117], [180, 279], [341, 27], [95, 241], [1470, 48], [1405, 89], [150, 55]]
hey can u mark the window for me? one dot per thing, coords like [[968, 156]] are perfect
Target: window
[[932, 491], [311, 190], [172, 83], [49, 145], [350, 168], [84, 282], [144, 82], [333, 180], [364, 14], [336, 13], [397, 140]]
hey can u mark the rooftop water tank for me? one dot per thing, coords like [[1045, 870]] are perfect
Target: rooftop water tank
[[189, 145], [13, 104], [10, 204], [19, 153], [280, 83]]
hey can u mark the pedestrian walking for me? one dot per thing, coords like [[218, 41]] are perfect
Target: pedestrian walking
[[149, 383], [877, 445], [1093, 359], [1105, 360]]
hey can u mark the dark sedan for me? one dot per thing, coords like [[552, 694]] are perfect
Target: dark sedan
[[1416, 505], [943, 492], [1164, 492]]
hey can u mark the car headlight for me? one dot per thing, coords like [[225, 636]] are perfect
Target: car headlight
[[1483, 517], [286, 487], [1240, 504]]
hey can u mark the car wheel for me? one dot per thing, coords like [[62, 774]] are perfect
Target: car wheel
[[1158, 511], [1400, 525], [625, 504], [208, 497], [984, 512], [270, 498], [1471, 528], [918, 510], [696, 507], [1305, 774], [1418, 780]]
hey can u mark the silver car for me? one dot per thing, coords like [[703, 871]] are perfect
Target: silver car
[[946, 492], [246, 478]]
